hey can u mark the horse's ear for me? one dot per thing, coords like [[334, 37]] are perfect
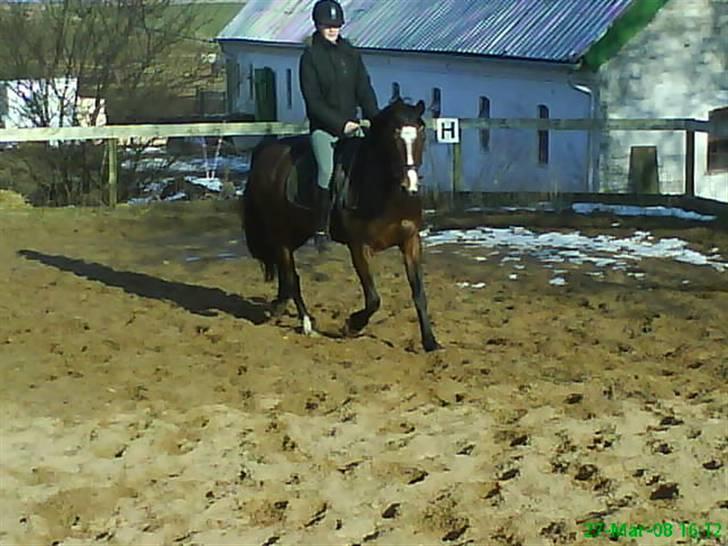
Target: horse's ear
[[420, 108]]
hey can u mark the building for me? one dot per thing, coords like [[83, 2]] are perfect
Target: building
[[466, 59], [37, 103], [675, 66]]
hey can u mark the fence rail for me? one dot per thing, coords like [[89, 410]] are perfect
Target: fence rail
[[112, 133], [42, 134]]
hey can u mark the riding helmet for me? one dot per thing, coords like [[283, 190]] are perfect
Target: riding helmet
[[328, 13]]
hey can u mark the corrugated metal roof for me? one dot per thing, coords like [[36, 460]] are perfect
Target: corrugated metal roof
[[553, 30]]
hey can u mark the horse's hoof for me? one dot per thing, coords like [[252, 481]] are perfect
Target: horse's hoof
[[431, 345], [355, 324], [351, 331], [277, 308], [348, 331]]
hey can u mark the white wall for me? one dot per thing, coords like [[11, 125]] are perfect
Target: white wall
[[279, 59], [511, 163], [676, 67], [514, 90], [27, 103]]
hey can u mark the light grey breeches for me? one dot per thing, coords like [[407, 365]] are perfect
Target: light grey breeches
[[323, 149]]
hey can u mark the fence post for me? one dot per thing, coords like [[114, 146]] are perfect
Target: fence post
[[690, 163], [112, 146], [457, 171]]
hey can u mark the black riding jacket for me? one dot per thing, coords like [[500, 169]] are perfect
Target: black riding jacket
[[334, 81]]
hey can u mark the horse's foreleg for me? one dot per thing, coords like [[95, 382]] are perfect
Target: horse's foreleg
[[293, 283], [357, 321], [412, 251]]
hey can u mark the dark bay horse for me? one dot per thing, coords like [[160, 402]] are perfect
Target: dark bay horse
[[382, 175]]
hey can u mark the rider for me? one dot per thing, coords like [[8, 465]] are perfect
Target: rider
[[334, 82]]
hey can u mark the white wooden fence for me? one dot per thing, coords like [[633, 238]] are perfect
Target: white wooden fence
[[113, 133]]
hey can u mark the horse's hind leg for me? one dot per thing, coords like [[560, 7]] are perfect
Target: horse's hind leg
[[412, 251], [293, 285], [357, 321], [279, 304]]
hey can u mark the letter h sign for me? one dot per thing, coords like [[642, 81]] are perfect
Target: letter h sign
[[448, 130]]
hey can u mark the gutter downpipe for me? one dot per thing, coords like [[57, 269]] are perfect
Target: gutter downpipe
[[588, 85]]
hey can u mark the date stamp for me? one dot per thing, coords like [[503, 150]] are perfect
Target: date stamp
[[661, 529]]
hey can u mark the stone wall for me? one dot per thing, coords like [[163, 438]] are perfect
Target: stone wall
[[676, 67]]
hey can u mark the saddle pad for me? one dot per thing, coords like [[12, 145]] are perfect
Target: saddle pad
[[345, 195], [301, 182]]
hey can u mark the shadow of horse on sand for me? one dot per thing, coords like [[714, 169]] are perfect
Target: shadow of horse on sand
[[200, 300]]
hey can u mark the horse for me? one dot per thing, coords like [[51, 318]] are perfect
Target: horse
[[376, 205]]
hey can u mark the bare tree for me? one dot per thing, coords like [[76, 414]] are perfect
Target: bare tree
[[130, 56]]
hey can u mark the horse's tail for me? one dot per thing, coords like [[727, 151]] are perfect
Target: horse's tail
[[257, 236]]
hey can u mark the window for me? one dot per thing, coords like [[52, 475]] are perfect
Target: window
[[396, 92], [543, 137], [289, 88], [484, 113], [718, 146], [251, 81], [436, 106]]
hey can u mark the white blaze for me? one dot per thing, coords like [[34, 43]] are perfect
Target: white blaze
[[409, 134], [413, 180]]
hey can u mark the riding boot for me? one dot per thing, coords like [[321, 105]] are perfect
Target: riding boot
[[323, 210]]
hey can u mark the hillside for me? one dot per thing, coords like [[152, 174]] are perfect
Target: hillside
[[192, 68], [213, 15]]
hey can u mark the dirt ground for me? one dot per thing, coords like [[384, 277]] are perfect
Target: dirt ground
[[146, 398]]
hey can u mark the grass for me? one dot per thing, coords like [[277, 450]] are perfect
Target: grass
[[213, 17]]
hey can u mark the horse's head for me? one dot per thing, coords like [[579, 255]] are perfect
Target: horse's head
[[399, 132]]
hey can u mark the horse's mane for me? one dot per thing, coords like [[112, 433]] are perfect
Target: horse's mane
[[360, 155], [385, 114]]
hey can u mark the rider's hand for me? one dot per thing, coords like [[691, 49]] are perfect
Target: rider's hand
[[350, 127]]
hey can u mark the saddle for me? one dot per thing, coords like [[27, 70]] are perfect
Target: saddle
[[301, 183]]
